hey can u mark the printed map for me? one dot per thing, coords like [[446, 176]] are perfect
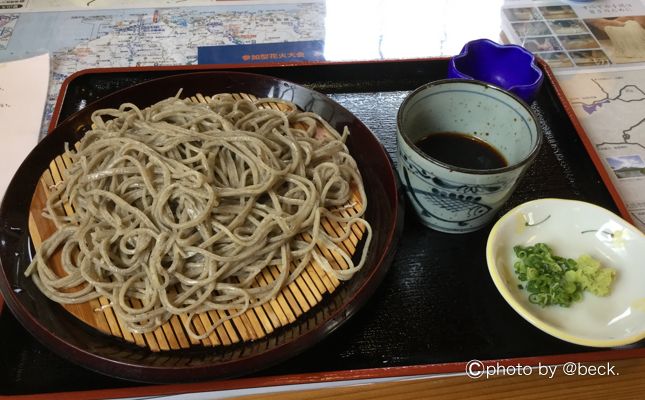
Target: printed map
[[611, 107], [7, 24], [79, 40]]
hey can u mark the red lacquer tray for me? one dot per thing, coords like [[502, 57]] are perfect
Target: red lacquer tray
[[436, 308]]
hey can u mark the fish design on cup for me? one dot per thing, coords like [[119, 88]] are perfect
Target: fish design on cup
[[446, 196]]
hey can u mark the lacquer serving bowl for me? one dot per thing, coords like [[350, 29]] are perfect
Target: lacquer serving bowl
[[74, 340]]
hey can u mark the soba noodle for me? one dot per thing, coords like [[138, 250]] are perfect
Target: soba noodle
[[179, 207]]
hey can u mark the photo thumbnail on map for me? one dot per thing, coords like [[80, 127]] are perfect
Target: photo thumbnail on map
[[532, 28], [623, 38], [568, 27], [556, 59], [562, 38], [522, 14], [540, 44], [627, 166], [586, 58]]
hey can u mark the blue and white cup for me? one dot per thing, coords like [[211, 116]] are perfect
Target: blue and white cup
[[451, 198]]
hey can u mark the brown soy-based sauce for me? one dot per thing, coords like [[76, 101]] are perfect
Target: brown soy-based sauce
[[460, 150]]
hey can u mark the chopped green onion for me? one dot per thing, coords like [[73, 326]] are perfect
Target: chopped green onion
[[555, 280]]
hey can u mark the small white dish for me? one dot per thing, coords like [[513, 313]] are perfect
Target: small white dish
[[572, 228]]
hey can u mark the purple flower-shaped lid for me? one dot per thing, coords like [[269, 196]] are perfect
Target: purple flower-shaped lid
[[510, 67]]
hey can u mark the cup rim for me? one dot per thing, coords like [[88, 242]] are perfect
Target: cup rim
[[472, 171]]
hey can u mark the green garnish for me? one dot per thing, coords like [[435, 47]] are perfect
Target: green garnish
[[555, 280]]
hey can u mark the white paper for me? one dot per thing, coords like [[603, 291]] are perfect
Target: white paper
[[610, 105], [23, 92], [579, 34]]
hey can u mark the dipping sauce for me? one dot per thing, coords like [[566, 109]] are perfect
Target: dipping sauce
[[460, 150]]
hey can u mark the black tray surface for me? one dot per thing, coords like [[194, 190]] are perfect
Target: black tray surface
[[437, 304]]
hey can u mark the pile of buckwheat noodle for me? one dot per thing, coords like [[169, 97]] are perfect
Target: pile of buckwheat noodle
[[178, 207]]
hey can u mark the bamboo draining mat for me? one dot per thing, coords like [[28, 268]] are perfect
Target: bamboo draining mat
[[294, 300]]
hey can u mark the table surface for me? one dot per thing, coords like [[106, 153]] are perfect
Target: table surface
[[392, 29], [626, 384]]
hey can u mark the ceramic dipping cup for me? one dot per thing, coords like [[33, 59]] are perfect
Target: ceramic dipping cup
[[508, 66], [453, 198]]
